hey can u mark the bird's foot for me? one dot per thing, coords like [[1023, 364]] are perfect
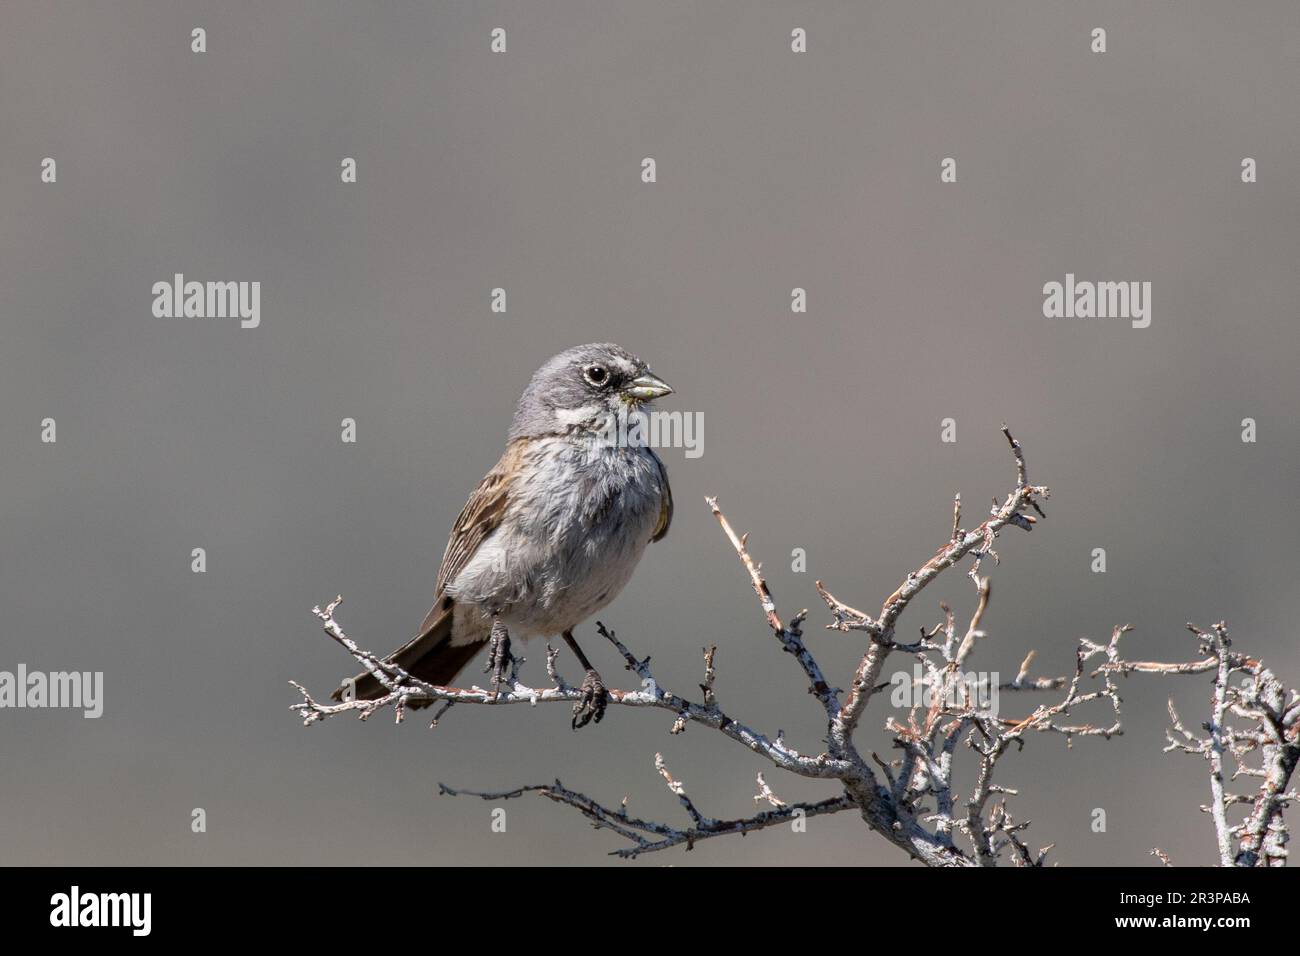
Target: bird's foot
[[500, 661], [591, 706]]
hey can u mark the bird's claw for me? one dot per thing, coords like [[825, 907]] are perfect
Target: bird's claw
[[591, 706], [500, 660]]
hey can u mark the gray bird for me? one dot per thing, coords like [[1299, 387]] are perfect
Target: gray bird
[[554, 531]]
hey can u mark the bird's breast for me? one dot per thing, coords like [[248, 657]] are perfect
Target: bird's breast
[[574, 531]]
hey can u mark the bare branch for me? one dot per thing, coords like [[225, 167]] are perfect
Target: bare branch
[[640, 832], [881, 630], [1254, 724], [791, 637]]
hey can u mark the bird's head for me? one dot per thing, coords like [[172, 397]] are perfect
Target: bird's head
[[583, 388]]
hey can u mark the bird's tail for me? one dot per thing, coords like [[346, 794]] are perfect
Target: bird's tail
[[429, 656]]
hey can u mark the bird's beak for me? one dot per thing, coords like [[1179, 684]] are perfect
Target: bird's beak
[[647, 387]]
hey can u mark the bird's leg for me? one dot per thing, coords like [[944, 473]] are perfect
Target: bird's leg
[[591, 706], [500, 659]]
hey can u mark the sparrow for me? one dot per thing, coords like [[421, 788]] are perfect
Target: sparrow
[[553, 532]]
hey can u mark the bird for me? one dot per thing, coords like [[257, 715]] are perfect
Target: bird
[[554, 530]]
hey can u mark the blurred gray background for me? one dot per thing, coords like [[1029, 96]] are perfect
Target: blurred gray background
[[521, 170]]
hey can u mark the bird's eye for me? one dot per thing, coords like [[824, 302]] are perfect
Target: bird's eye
[[596, 374]]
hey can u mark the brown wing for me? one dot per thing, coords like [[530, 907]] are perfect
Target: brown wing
[[666, 505], [480, 517], [430, 655]]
